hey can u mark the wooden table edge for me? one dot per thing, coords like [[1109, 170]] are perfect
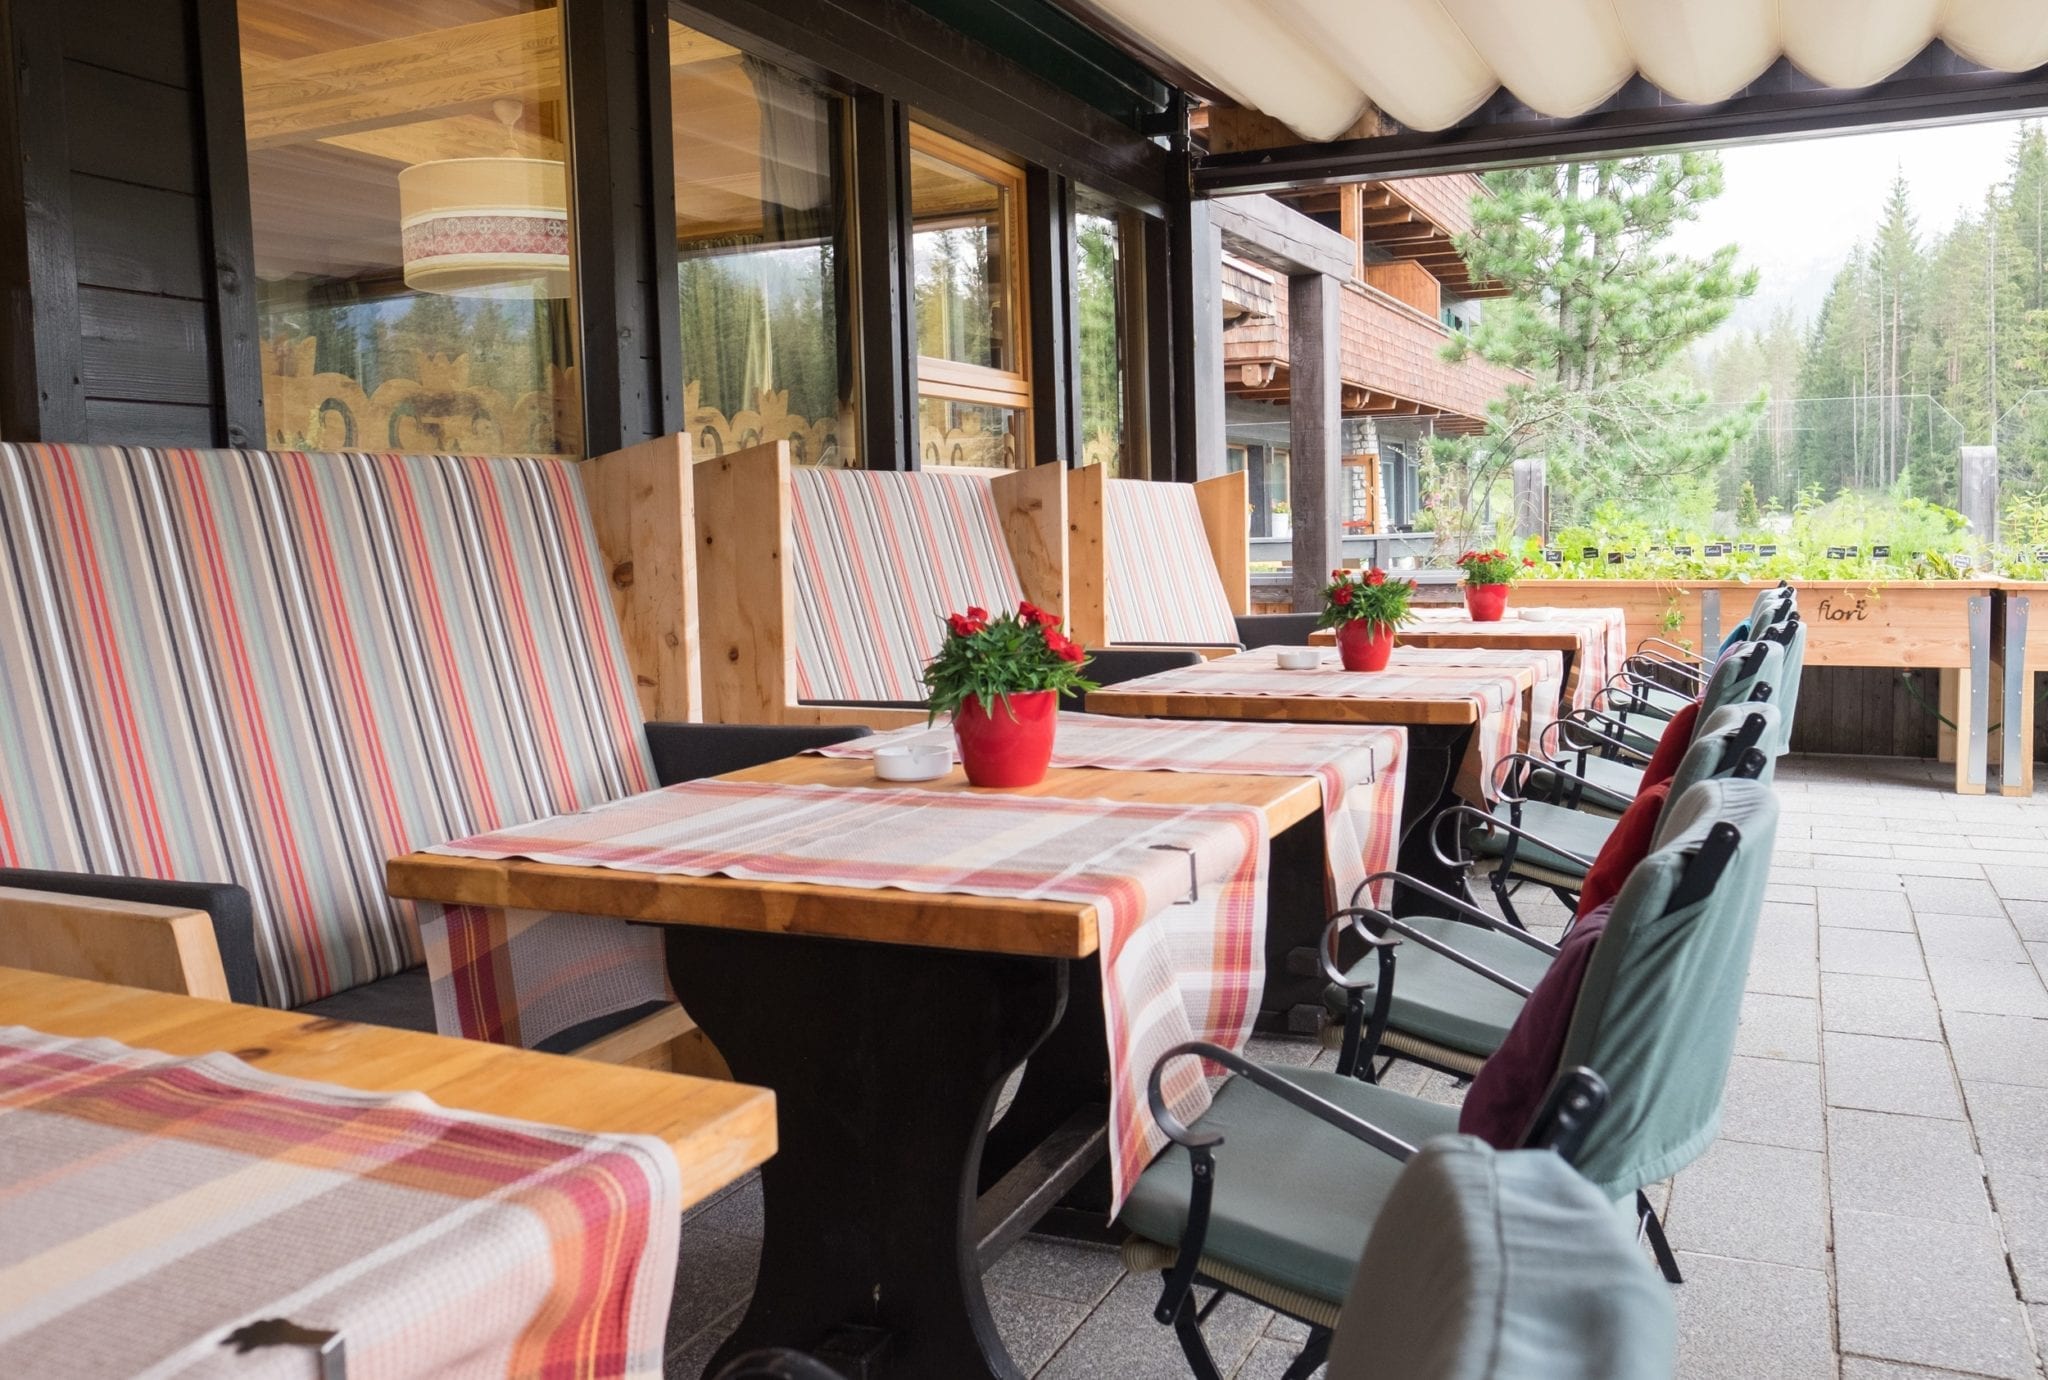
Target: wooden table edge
[[1049, 928], [734, 1124]]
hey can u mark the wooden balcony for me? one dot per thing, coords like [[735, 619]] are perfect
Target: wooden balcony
[[1391, 362]]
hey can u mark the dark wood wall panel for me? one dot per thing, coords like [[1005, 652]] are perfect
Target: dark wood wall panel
[[137, 239], [157, 424], [144, 38], [131, 129], [140, 348], [132, 169]]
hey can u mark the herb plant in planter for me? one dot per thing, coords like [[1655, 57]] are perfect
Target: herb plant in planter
[[1365, 608], [1488, 574], [1001, 678]]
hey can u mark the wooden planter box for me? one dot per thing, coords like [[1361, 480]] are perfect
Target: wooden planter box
[[1904, 624]]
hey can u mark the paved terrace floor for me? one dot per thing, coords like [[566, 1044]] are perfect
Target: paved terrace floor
[[1876, 1207]]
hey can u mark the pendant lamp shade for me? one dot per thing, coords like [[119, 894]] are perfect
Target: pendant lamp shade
[[486, 227]]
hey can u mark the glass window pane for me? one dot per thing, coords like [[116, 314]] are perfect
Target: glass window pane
[[967, 278], [767, 355], [1098, 274], [957, 433], [409, 196]]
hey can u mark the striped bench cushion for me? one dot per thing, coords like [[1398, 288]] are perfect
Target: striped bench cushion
[[881, 558], [1161, 577], [281, 669]]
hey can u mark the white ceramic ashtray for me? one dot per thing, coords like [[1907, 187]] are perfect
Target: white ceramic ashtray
[[914, 761], [1536, 615], [1299, 658]]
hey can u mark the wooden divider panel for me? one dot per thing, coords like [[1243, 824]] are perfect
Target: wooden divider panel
[[162, 948], [641, 505], [1032, 506], [1225, 504], [747, 608]]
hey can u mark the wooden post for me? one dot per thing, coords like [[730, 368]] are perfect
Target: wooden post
[[1977, 482], [1055, 318], [1204, 454], [1532, 500], [1315, 479]]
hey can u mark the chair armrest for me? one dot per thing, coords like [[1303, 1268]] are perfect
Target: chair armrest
[[1435, 946], [690, 752], [1294, 1094], [227, 905], [1465, 908], [1491, 822], [1276, 629]]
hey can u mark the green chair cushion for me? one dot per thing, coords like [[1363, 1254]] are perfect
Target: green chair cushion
[[1295, 1197], [1439, 1001], [1492, 1265], [1575, 831], [1606, 784]]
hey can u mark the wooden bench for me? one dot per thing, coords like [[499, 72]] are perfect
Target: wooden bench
[[256, 675]]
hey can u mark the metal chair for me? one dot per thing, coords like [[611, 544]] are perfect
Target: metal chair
[[1312, 1157]]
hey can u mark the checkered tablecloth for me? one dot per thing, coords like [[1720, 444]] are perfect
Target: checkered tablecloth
[[1601, 632], [1173, 968], [1362, 770], [1490, 678], [151, 1205]]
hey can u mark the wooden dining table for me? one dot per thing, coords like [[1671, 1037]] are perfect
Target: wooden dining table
[[1448, 628], [887, 1022], [1440, 723]]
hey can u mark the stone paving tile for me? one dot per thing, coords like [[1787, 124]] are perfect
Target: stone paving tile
[[2022, 1201], [1875, 953], [1120, 1341], [1860, 1005], [1795, 893], [2011, 1123], [1773, 1102], [1032, 1326], [1954, 895], [1073, 1271], [1999, 1049], [1778, 1027], [2017, 882], [1935, 1293], [1747, 1319], [1858, 877], [1991, 988], [1864, 910], [2030, 918], [1270, 1359], [1987, 937], [1753, 1202], [1914, 1166], [1879, 1074], [1867, 1368]]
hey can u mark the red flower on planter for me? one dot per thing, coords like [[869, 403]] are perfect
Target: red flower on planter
[[1029, 612], [1376, 576], [978, 615], [963, 626], [1341, 594]]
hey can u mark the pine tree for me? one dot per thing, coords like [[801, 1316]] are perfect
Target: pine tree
[[1598, 312]]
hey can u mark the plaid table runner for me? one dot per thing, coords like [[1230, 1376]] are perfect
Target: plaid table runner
[[1362, 770], [1173, 969], [151, 1205], [1488, 677], [1602, 635]]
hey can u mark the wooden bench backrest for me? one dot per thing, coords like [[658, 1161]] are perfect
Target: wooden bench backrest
[[831, 584], [1157, 562], [278, 669], [161, 948]]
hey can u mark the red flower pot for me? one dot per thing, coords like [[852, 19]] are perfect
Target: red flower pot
[[1365, 646], [1008, 743], [1486, 603]]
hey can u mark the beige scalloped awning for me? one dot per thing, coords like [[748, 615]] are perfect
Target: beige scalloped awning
[[1316, 65]]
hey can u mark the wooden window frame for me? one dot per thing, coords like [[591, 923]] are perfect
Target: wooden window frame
[[946, 380]]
